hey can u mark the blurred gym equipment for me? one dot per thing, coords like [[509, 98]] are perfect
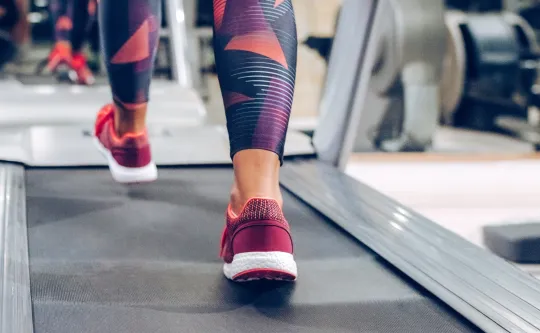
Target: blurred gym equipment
[[488, 69], [404, 80], [494, 56], [404, 101], [519, 243]]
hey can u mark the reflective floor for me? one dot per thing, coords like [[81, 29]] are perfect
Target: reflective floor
[[461, 192]]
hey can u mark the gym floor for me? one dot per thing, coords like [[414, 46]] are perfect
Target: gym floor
[[461, 192]]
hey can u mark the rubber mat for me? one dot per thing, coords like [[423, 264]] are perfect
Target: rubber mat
[[112, 258]]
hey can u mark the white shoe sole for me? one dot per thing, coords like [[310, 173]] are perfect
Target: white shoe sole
[[250, 266], [126, 175]]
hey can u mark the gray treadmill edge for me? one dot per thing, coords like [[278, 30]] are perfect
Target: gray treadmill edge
[[172, 144], [15, 299], [47, 104], [454, 270]]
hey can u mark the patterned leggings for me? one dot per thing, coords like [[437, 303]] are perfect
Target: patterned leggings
[[255, 46], [73, 20]]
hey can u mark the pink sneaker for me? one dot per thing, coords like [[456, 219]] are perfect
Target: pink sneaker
[[257, 244], [80, 66], [129, 157]]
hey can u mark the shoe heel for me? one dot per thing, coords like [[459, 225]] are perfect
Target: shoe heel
[[262, 236], [263, 250], [251, 266]]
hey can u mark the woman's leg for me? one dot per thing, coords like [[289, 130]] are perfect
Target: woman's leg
[[256, 48], [129, 38]]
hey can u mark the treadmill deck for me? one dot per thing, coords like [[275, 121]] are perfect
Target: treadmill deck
[[111, 258]]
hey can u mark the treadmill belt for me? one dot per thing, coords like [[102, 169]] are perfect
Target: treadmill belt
[[107, 258]]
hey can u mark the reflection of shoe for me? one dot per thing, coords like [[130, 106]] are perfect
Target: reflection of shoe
[[59, 63], [84, 74], [129, 157], [257, 244]]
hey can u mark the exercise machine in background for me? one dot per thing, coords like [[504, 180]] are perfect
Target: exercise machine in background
[[442, 80], [492, 72]]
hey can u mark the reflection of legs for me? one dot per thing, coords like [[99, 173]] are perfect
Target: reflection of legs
[[9, 16], [255, 46], [61, 12], [129, 32], [60, 56], [83, 14], [80, 20]]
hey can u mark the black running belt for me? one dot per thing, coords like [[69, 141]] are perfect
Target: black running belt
[[112, 258]]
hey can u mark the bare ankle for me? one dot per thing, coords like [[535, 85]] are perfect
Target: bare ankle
[[256, 176], [64, 45], [130, 120], [238, 199]]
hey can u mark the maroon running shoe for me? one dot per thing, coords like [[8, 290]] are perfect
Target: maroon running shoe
[[129, 157], [257, 244]]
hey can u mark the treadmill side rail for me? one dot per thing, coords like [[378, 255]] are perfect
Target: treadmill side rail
[[491, 293], [15, 301]]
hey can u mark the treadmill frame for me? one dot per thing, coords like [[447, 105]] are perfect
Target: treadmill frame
[[346, 86], [182, 71], [492, 294], [15, 300]]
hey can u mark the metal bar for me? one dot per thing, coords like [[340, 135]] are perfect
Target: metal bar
[[506, 275], [349, 71], [434, 257], [15, 299], [180, 61]]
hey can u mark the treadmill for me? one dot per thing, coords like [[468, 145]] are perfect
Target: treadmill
[[80, 253]]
